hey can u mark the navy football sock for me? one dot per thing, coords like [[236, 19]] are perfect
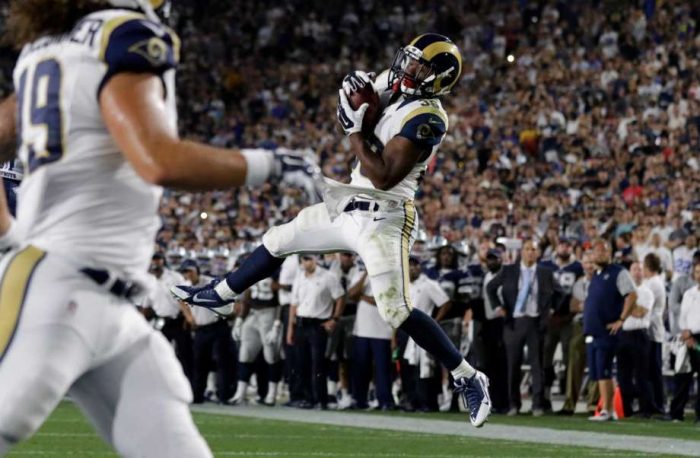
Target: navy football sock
[[259, 265], [430, 336]]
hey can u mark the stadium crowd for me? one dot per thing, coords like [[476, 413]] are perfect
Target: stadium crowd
[[573, 121]]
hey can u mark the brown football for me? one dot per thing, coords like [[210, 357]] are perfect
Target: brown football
[[367, 95]]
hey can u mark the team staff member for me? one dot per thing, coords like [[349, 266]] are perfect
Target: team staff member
[[371, 347], [346, 268], [318, 300], [635, 347], [488, 338], [653, 279], [689, 323], [176, 326], [577, 346], [527, 295], [212, 340], [427, 295], [288, 273], [610, 301]]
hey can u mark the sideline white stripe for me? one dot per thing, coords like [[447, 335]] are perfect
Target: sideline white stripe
[[530, 434]]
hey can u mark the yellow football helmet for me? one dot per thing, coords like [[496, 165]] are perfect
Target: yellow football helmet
[[429, 66]]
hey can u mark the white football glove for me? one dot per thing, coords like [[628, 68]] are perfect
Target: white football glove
[[237, 329], [356, 80], [299, 171], [350, 120], [274, 335]]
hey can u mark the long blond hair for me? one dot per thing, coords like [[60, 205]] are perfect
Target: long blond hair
[[32, 19]]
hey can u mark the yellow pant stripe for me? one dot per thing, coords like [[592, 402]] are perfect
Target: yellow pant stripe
[[13, 290], [410, 220]]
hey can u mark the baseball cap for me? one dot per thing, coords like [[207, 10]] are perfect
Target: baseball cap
[[414, 259], [494, 253], [188, 264]]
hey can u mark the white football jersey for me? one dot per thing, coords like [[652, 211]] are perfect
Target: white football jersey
[[422, 121], [80, 197]]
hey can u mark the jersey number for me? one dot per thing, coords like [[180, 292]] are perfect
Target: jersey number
[[40, 117]]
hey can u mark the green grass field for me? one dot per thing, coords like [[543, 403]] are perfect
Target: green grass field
[[68, 434], [579, 422]]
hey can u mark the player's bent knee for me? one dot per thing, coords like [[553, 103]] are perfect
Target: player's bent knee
[[278, 238], [394, 313]]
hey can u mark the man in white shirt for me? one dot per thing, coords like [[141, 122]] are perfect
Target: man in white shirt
[[344, 266], [426, 295], [689, 323], [318, 299], [371, 347], [288, 273], [168, 310], [634, 348], [212, 340], [653, 279]]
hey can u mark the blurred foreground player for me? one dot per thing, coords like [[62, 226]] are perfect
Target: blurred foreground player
[[95, 120], [375, 216]]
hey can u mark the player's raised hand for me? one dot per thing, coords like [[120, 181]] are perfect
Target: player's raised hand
[[350, 120], [356, 80]]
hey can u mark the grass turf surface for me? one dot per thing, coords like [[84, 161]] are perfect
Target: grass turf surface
[[579, 422], [66, 433]]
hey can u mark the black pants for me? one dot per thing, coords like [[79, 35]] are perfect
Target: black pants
[[212, 349], [174, 330], [516, 334], [292, 367], [408, 382], [682, 383], [656, 377], [365, 352], [310, 340], [491, 359], [633, 371]]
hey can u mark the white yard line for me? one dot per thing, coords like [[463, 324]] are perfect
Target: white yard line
[[618, 442]]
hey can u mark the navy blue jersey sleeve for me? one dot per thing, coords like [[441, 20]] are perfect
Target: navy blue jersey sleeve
[[138, 45], [425, 127]]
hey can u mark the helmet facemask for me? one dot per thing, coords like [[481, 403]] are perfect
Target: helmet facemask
[[410, 73]]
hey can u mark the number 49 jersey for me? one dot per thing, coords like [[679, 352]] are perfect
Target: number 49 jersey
[[80, 197]]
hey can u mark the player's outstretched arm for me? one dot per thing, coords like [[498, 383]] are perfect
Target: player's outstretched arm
[[8, 131], [133, 108]]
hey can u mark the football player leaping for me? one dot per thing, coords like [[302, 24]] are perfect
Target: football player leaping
[[375, 216], [95, 120]]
